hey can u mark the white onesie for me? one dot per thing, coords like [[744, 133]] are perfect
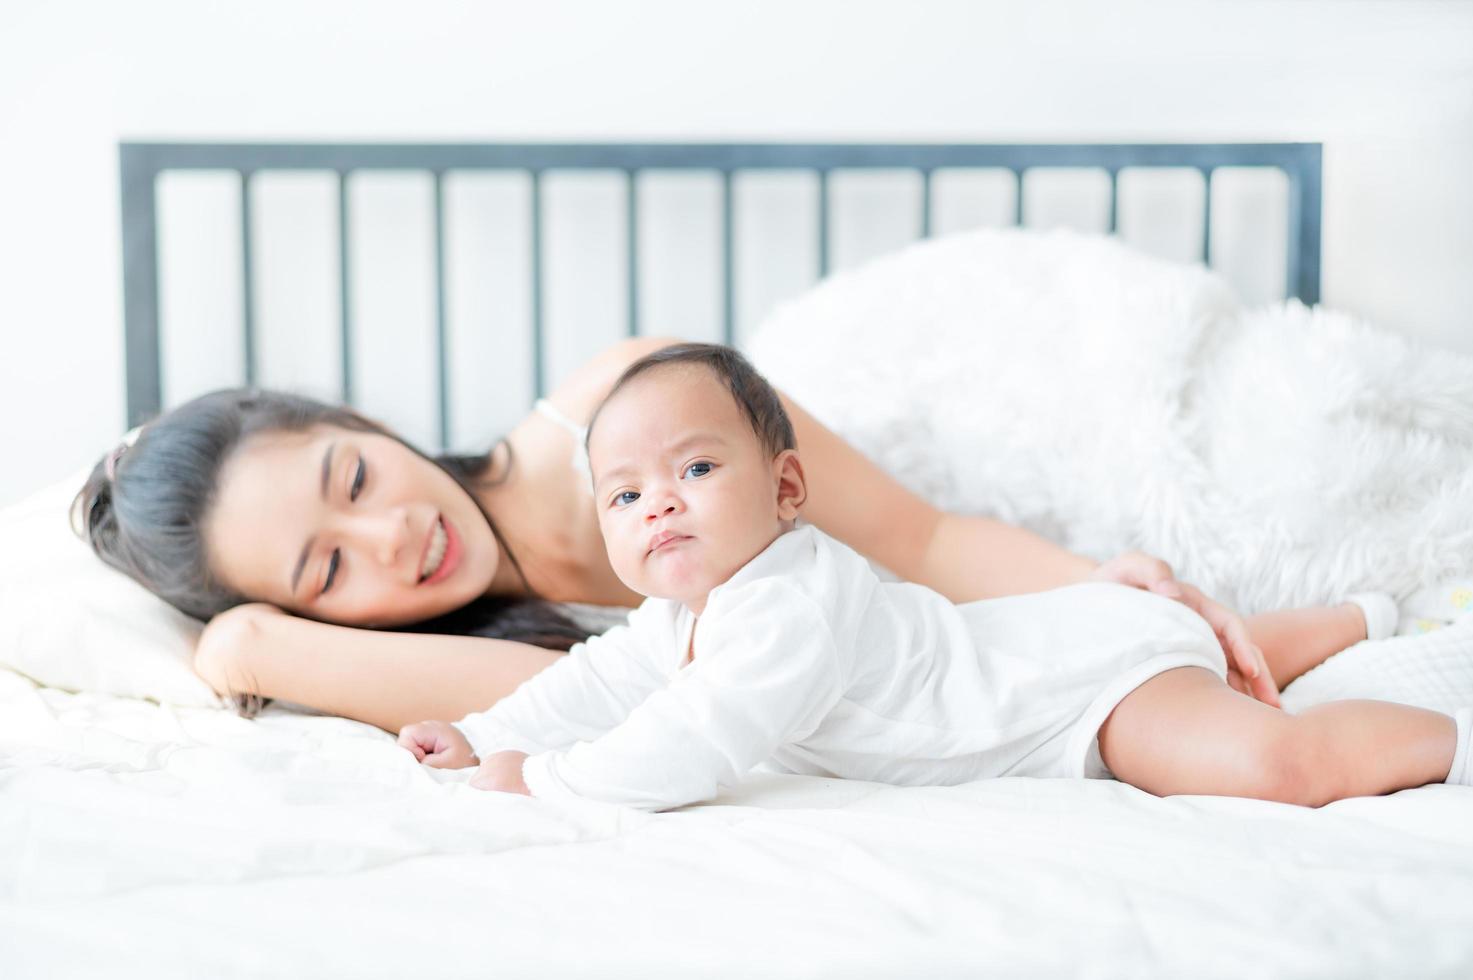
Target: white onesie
[[806, 661]]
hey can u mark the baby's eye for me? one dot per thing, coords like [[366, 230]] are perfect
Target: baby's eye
[[703, 472], [619, 498]]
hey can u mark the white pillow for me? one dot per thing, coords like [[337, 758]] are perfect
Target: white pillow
[[69, 621]]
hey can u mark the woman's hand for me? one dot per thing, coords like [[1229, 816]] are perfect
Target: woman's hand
[[438, 744], [1247, 670], [502, 772]]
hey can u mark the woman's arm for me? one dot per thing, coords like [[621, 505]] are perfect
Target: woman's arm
[[967, 558], [962, 557], [382, 678]]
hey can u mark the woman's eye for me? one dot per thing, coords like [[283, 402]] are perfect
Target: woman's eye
[[357, 481], [703, 472], [332, 570], [619, 498]]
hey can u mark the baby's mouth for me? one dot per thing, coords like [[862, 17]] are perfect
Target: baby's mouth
[[664, 543]]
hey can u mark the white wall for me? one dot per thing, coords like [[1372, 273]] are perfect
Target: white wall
[[1387, 86]]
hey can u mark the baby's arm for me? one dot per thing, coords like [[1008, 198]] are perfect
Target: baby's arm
[[582, 695], [767, 671]]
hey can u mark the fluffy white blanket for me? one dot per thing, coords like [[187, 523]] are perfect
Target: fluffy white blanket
[[1110, 400]]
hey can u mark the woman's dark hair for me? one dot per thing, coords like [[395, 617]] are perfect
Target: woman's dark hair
[[143, 512], [755, 398]]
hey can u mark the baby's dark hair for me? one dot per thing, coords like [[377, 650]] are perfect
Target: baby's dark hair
[[755, 398]]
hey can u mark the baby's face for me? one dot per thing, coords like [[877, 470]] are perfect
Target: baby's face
[[685, 492]]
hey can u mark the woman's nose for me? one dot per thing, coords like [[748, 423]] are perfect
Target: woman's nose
[[384, 535]]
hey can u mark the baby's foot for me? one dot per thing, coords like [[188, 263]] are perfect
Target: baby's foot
[[1379, 612]]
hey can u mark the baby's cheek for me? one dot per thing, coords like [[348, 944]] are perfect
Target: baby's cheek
[[625, 566]]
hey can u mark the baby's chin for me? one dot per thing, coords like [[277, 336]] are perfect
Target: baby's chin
[[685, 588], [685, 593]]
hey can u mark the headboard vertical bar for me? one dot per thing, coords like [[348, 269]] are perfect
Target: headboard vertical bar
[[631, 212], [728, 285], [1207, 216], [137, 175], [537, 284], [345, 297], [823, 222], [1114, 220], [442, 376], [247, 279], [926, 203], [1303, 274], [1018, 196]]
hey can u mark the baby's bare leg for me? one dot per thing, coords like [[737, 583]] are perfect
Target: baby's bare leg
[[1294, 640], [1186, 732]]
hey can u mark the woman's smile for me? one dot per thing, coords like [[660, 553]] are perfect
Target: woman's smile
[[442, 553]]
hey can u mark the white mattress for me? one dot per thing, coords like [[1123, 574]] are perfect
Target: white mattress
[[137, 840]]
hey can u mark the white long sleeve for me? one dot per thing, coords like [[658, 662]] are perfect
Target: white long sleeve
[[581, 696], [766, 672]]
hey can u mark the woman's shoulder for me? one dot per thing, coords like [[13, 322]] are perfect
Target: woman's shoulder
[[579, 394]]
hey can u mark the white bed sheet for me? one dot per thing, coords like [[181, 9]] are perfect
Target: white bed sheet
[[139, 840]]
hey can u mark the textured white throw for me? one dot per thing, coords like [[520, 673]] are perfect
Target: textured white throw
[[1109, 400]]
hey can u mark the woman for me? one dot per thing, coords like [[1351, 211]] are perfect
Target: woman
[[291, 525]]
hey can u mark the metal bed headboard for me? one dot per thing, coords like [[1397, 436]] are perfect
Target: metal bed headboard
[[142, 163]]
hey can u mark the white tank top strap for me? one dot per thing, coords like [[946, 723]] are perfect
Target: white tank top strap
[[578, 432], [548, 409]]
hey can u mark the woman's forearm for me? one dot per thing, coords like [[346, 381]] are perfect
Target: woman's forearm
[[382, 678], [963, 558], [970, 558]]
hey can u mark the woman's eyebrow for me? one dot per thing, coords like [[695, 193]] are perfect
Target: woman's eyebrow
[[307, 548]]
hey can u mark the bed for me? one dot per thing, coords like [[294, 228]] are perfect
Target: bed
[[164, 836]]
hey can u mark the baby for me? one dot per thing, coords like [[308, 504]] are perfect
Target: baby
[[765, 641]]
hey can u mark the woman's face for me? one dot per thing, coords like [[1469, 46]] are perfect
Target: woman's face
[[343, 526]]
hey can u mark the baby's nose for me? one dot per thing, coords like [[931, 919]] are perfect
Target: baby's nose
[[662, 505]]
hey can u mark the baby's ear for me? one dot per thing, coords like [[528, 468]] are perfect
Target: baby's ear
[[792, 488]]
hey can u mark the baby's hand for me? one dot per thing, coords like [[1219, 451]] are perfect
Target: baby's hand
[[438, 744], [502, 772]]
